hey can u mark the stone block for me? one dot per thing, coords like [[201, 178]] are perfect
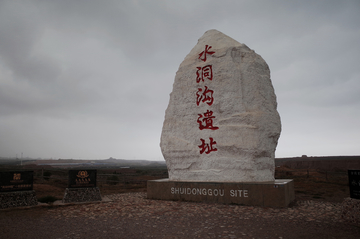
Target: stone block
[[81, 195], [351, 211], [221, 124], [277, 194], [18, 199]]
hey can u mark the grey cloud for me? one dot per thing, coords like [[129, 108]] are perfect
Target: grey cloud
[[100, 72]]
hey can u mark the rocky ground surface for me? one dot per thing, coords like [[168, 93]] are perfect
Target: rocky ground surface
[[131, 215]]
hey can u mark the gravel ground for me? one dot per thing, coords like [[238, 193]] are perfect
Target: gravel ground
[[131, 215]]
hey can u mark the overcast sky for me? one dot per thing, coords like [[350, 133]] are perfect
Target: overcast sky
[[91, 79]]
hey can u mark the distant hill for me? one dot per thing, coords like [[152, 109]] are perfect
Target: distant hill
[[325, 163], [65, 163]]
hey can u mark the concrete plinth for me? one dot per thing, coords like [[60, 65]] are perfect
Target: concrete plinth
[[279, 193], [351, 211], [81, 195], [18, 199]]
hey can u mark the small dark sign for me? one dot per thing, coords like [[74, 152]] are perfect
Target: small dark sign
[[16, 181], [354, 183], [82, 178]]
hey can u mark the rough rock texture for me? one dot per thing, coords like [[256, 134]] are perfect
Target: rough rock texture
[[18, 199], [81, 195], [221, 124], [351, 211]]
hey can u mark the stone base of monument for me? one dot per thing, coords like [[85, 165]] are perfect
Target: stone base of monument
[[81, 195], [17, 199], [279, 193], [351, 211]]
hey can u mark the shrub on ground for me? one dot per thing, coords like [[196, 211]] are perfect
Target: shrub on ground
[[47, 175], [47, 199], [112, 180]]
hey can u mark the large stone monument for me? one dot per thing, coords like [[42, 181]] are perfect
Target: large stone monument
[[221, 124]]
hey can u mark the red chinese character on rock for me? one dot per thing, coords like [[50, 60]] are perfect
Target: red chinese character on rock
[[205, 96], [204, 73], [208, 120], [207, 148], [203, 53]]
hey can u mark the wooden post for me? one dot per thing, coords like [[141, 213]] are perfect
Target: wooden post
[[124, 181]]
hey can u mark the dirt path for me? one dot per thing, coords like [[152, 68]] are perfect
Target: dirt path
[[131, 215]]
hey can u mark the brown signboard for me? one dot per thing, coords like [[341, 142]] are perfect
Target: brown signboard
[[82, 178], [16, 181], [354, 183]]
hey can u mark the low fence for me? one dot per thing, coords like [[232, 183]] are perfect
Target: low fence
[[138, 178], [340, 177], [133, 177], [126, 178]]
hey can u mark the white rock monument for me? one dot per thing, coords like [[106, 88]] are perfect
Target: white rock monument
[[221, 124]]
